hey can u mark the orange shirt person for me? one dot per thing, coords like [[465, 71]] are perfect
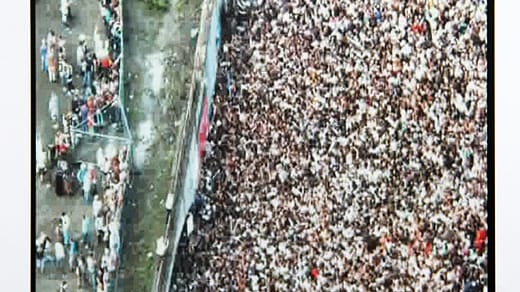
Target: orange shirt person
[[480, 239]]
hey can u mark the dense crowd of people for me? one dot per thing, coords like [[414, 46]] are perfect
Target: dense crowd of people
[[349, 151], [93, 253]]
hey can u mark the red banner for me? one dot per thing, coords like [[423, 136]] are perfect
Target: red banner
[[204, 127]]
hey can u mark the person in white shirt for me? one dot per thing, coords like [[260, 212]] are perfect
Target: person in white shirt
[[105, 259], [65, 225], [80, 51], [97, 205], [65, 12], [80, 271], [91, 269], [87, 187], [59, 254], [114, 239], [112, 264], [100, 229], [63, 287]]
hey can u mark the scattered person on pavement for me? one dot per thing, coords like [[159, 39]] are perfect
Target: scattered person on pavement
[[86, 230], [43, 54], [65, 225], [59, 254]]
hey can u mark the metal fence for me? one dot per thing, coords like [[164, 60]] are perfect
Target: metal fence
[[86, 147], [127, 134]]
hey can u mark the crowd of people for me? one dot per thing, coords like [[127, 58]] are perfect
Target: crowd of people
[[97, 96], [349, 151], [93, 253]]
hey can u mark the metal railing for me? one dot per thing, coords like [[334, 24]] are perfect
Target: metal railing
[[119, 140], [127, 134]]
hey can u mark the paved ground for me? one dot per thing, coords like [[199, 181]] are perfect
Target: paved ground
[[86, 15]]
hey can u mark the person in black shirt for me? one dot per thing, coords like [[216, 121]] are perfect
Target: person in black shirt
[[68, 81], [75, 104], [89, 70]]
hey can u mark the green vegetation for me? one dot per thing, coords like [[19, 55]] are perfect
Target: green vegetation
[[179, 5], [149, 214], [145, 217], [188, 9], [140, 265], [161, 5]]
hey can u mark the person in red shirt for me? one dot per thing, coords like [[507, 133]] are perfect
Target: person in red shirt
[[418, 28], [61, 145], [92, 173], [105, 64], [315, 273], [480, 239], [428, 248]]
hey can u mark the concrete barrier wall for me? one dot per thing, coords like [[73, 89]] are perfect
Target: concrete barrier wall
[[186, 164]]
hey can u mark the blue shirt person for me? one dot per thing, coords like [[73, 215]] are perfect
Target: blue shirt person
[[378, 15], [81, 173], [73, 252], [85, 229], [43, 53]]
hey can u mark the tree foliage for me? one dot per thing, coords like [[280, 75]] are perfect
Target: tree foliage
[[157, 4]]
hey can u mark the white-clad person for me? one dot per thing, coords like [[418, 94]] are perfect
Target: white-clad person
[[65, 225], [65, 12], [80, 51], [91, 269], [59, 254], [101, 229], [97, 205]]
